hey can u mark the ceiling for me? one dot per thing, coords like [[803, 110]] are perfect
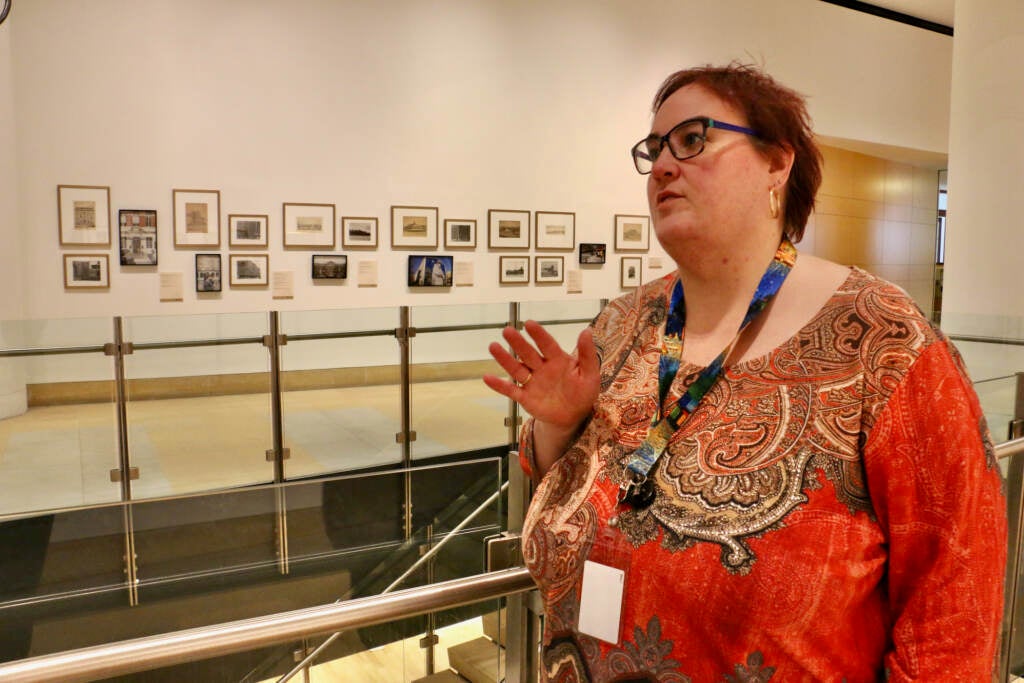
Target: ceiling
[[939, 11]]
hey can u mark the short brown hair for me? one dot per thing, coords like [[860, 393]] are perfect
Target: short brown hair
[[777, 113]]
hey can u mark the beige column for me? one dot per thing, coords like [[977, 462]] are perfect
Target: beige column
[[983, 292]]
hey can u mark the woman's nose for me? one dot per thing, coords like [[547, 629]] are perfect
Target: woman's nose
[[664, 164]]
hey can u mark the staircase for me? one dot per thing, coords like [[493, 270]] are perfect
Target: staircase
[[481, 660]]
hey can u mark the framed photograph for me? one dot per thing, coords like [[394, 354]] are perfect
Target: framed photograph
[[196, 218], [359, 232], [459, 233], [330, 266], [249, 270], [247, 230], [208, 275], [83, 215], [414, 226], [508, 229], [632, 233], [593, 253], [308, 226], [631, 272], [86, 271], [549, 269], [513, 270], [430, 270], [555, 230], [137, 237]]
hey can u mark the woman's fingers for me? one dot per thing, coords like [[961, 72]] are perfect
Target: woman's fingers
[[522, 348], [545, 342], [507, 361], [590, 366]]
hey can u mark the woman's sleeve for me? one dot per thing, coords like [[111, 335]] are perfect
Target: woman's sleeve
[[938, 494]]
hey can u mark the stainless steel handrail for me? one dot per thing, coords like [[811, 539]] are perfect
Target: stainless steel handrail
[[144, 654], [1008, 449]]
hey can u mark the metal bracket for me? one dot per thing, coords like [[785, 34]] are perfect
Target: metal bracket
[[1015, 429], [504, 551], [268, 340], [519, 421], [286, 453], [115, 474], [427, 641], [110, 349], [405, 333], [399, 439]]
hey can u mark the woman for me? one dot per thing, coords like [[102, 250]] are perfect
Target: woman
[[817, 497]]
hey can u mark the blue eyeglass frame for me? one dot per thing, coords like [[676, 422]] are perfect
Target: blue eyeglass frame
[[638, 152]]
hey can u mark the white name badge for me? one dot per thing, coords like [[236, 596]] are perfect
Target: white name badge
[[601, 601]]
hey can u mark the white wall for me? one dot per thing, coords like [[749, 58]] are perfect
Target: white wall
[[985, 240], [462, 105]]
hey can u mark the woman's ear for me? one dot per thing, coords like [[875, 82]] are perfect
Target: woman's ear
[[780, 162]]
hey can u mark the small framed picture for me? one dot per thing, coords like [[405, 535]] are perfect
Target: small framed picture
[[632, 233], [555, 229], [414, 226], [359, 232], [631, 272], [308, 225], [83, 215], [430, 270], [508, 229], [593, 253], [208, 275], [330, 266], [86, 271], [137, 237], [196, 218], [249, 270], [549, 269], [459, 233], [247, 230], [513, 270]]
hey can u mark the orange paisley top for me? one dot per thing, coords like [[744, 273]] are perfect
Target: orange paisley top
[[832, 511]]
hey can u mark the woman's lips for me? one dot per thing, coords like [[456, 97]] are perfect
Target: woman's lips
[[666, 195]]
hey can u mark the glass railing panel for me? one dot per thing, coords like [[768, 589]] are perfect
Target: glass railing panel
[[58, 570], [341, 398], [58, 430], [451, 410], [997, 396], [199, 406]]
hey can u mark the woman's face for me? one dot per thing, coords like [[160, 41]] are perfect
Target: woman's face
[[717, 200]]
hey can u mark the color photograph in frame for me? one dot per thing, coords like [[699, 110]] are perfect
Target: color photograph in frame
[[308, 225], [513, 270], [137, 237], [631, 274], [593, 253], [359, 232], [549, 269], [86, 271], [508, 229], [248, 270], [330, 266], [430, 270], [632, 233], [460, 233], [414, 227], [208, 273], [247, 229], [196, 218], [555, 230], [83, 215]]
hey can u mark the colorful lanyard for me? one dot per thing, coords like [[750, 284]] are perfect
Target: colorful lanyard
[[639, 492]]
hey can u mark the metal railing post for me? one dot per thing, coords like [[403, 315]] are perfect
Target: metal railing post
[[406, 436], [1009, 655], [514, 419], [277, 453], [124, 473]]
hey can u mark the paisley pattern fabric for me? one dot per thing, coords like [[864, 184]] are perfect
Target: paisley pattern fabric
[[832, 510]]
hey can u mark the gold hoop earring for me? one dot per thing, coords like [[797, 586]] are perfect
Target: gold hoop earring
[[773, 203]]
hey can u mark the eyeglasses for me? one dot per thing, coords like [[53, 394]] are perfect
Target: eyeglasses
[[685, 141]]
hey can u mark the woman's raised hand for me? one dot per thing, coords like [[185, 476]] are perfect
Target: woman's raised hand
[[555, 387]]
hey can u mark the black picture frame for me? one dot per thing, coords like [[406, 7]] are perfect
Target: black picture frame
[[329, 266], [137, 237], [209, 273], [431, 270], [593, 253]]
